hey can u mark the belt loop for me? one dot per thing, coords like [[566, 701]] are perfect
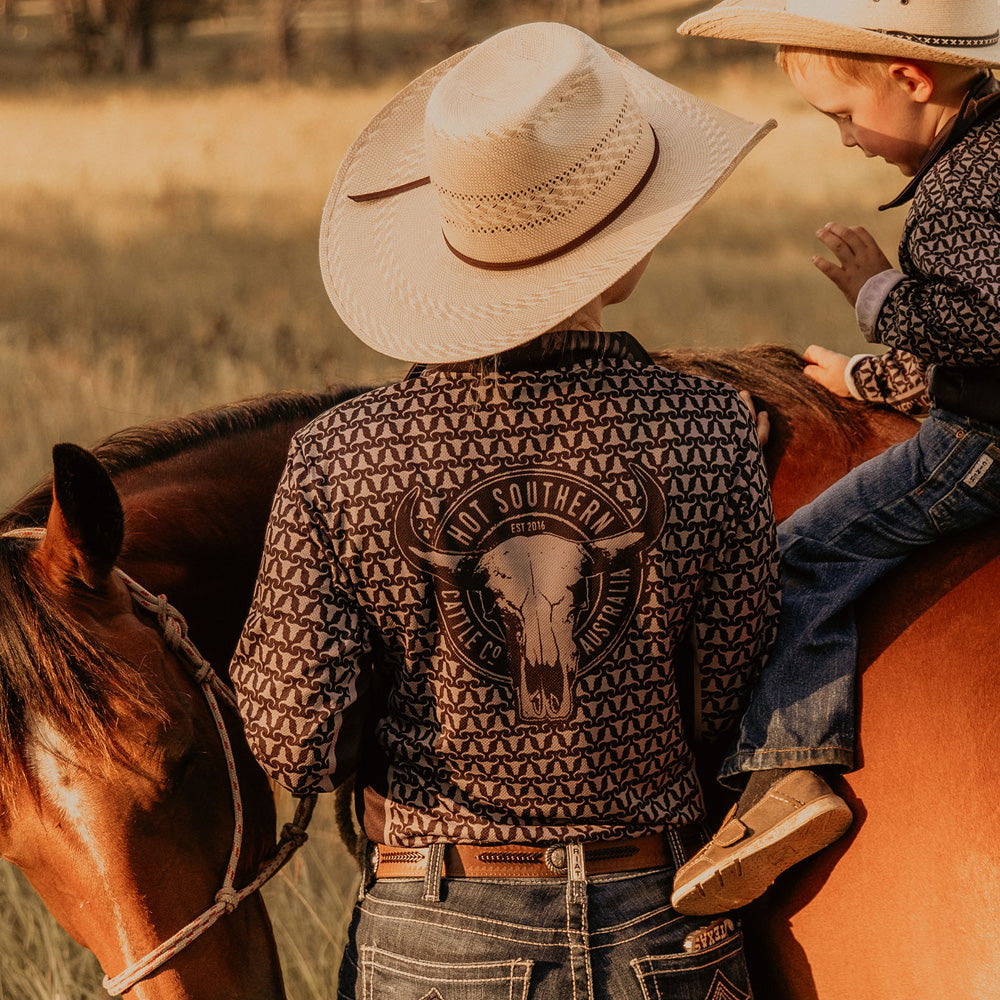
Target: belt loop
[[576, 872], [368, 855], [432, 877], [676, 844]]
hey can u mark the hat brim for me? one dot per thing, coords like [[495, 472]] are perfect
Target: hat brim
[[767, 21], [396, 284]]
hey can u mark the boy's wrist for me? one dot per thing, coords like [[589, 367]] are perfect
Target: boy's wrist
[[871, 298], [852, 386]]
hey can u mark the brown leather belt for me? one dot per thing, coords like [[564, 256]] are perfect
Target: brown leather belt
[[600, 857]]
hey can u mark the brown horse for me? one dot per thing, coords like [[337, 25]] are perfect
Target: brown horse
[[114, 795], [906, 904], [866, 919]]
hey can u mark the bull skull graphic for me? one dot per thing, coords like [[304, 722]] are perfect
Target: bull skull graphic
[[537, 580]]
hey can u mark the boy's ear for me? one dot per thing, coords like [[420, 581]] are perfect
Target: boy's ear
[[914, 79]]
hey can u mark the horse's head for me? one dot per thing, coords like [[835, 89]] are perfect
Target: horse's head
[[114, 795]]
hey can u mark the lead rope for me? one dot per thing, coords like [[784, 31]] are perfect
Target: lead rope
[[293, 834]]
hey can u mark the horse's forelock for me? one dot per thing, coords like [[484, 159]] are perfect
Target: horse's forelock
[[52, 674]]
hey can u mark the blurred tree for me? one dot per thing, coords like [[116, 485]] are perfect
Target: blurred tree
[[85, 23], [583, 14], [118, 34], [136, 20], [281, 17]]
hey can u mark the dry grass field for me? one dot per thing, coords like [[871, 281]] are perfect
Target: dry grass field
[[158, 246], [158, 251]]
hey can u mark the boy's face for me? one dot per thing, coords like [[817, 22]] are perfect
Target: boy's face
[[882, 119]]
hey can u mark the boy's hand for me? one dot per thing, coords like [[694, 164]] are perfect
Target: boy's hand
[[828, 368], [860, 257]]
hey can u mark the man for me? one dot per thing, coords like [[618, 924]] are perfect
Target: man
[[477, 582]]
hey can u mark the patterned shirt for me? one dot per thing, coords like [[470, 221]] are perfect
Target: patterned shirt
[[475, 589], [947, 307]]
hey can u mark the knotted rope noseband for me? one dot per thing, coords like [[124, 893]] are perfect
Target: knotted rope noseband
[[293, 834]]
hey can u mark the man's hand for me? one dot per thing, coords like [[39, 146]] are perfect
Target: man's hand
[[760, 419], [828, 368], [860, 257]]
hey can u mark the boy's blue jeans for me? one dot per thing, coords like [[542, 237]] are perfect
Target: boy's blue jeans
[[943, 480]]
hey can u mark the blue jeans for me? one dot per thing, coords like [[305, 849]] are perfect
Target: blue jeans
[[607, 937], [943, 480]]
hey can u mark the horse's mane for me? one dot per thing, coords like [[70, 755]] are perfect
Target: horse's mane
[[773, 375], [135, 447], [50, 670]]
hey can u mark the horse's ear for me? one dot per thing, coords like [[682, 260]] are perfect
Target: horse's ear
[[84, 533]]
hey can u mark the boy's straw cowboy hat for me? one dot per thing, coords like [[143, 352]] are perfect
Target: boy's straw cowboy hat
[[950, 31], [510, 185]]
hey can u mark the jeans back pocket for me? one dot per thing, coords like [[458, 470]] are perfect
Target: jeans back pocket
[[717, 973], [385, 976]]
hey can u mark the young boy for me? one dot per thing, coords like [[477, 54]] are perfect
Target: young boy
[[906, 81]]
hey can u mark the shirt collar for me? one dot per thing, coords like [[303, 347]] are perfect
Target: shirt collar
[[574, 346], [982, 103]]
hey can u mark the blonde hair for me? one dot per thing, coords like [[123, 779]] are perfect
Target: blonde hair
[[869, 70], [852, 67]]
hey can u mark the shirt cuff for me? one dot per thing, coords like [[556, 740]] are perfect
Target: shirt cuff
[[852, 387], [873, 293]]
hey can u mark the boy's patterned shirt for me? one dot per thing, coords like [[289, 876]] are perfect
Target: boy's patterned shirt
[[947, 308], [475, 589]]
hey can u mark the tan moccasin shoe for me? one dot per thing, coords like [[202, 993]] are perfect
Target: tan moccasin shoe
[[799, 815]]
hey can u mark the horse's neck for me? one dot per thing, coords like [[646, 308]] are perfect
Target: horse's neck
[[808, 452], [195, 525]]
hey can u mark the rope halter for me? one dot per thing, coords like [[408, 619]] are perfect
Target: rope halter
[[293, 835]]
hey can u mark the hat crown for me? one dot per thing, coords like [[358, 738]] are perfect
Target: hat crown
[[543, 120], [941, 22], [531, 140]]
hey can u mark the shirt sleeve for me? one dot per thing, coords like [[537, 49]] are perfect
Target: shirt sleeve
[[737, 612], [950, 312], [871, 297], [896, 378], [302, 665]]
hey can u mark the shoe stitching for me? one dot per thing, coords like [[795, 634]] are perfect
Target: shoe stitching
[[787, 798]]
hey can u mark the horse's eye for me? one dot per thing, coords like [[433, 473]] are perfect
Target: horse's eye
[[177, 771]]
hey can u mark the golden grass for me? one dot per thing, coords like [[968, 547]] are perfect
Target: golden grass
[[310, 905], [159, 254], [159, 250], [38, 961]]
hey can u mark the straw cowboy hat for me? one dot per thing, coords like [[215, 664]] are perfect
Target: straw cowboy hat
[[510, 185], [950, 31]]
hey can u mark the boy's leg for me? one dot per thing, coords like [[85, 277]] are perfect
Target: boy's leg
[[802, 713], [802, 709]]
